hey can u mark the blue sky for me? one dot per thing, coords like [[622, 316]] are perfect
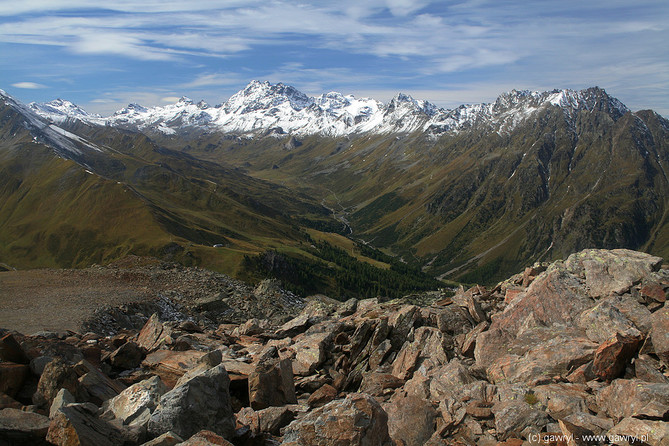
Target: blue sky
[[105, 54]]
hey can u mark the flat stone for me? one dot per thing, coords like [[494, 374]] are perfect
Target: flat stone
[[614, 271], [356, 420], [652, 433], [166, 439], [171, 365], [152, 334], [634, 398], [322, 396], [22, 428], [63, 398], [270, 420]]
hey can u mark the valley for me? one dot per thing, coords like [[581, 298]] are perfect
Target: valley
[[470, 194]]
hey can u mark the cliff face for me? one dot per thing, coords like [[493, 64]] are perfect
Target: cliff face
[[575, 350]]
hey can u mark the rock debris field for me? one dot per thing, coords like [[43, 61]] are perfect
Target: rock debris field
[[575, 352]]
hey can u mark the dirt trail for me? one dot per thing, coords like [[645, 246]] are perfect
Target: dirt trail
[[53, 300]]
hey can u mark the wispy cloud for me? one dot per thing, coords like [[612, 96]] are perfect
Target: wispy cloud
[[400, 44], [28, 85]]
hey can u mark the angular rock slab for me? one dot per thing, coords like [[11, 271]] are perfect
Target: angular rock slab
[[271, 384], [22, 428], [134, 401], [652, 433], [659, 333], [77, 425], [634, 398], [614, 271], [357, 420], [201, 403], [411, 420]]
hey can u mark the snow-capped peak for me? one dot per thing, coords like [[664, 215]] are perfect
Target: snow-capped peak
[[59, 110], [262, 106]]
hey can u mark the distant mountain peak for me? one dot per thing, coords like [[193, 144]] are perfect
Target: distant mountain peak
[[261, 106]]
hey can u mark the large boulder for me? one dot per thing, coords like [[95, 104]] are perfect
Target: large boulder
[[634, 398], [614, 271], [22, 428], [631, 431], [203, 402], [56, 375], [614, 355], [77, 425], [206, 438], [97, 385], [152, 334], [271, 383], [411, 420], [172, 365], [555, 298], [659, 333], [554, 357], [427, 345], [357, 420], [127, 356], [310, 352], [135, 404]]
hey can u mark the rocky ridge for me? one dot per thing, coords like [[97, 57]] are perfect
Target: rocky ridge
[[569, 353], [281, 109]]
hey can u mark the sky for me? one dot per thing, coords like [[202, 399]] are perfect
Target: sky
[[105, 54]]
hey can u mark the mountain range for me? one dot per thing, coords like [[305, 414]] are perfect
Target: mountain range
[[471, 193]]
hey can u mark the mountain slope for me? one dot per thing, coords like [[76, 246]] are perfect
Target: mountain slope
[[91, 193], [473, 193]]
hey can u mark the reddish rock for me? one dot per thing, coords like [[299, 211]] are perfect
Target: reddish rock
[[648, 369], [512, 293], [152, 334], [581, 374], [269, 420], [376, 384], [479, 409], [206, 438], [77, 425], [411, 420], [655, 291], [12, 377], [322, 396], [659, 333], [428, 343], [271, 384], [613, 356], [171, 365], [11, 351], [469, 342], [57, 375], [646, 432], [356, 420], [634, 398]]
